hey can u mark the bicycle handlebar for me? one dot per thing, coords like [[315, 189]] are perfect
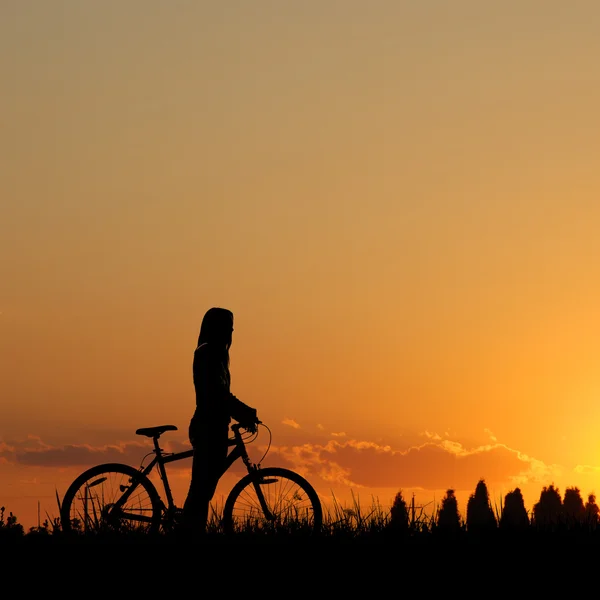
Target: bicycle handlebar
[[253, 426]]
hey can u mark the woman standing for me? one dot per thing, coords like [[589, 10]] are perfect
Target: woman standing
[[215, 407]]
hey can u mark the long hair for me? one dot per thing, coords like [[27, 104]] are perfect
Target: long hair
[[216, 329]]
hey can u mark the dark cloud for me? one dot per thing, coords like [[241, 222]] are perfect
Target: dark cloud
[[33, 452], [434, 465]]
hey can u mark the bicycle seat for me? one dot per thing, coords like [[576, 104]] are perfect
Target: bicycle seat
[[155, 431]]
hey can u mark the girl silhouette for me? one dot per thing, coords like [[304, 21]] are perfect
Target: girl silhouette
[[215, 407]]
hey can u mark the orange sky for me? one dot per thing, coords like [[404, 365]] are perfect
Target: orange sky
[[398, 201]]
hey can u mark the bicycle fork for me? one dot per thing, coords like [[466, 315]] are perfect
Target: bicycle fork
[[258, 481]]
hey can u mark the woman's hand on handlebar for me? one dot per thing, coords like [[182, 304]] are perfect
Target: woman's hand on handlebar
[[250, 426]]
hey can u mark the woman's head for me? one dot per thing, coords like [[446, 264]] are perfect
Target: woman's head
[[217, 327]]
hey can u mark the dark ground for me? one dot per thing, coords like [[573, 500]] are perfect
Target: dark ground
[[301, 568]]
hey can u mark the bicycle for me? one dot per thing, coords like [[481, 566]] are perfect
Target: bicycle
[[118, 497]]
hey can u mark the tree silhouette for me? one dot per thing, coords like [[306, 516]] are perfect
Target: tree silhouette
[[481, 519], [591, 512], [514, 517], [547, 512], [573, 508], [399, 515], [448, 519]]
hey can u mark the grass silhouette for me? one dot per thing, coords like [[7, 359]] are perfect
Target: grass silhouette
[[552, 519]]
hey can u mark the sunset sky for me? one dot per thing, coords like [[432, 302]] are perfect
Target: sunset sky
[[398, 199]]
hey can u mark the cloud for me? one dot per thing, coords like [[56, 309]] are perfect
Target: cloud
[[291, 423], [586, 470], [490, 434], [437, 464], [33, 452], [6, 448]]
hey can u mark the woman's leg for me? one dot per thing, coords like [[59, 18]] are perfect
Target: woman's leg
[[207, 467]]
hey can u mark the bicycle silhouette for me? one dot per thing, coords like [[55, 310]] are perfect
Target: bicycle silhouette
[[121, 498]]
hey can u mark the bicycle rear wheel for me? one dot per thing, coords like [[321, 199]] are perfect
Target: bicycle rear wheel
[[273, 500], [111, 497]]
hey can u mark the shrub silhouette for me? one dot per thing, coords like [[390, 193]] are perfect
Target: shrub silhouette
[[399, 515], [514, 517], [11, 528], [481, 519], [573, 508], [591, 512], [547, 512], [448, 518]]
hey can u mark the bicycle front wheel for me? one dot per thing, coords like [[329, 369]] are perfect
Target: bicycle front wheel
[[273, 500], [111, 498]]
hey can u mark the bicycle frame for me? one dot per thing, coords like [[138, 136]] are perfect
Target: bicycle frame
[[161, 459]]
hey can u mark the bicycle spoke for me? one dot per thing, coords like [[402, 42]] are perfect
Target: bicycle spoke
[[290, 503], [111, 498]]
